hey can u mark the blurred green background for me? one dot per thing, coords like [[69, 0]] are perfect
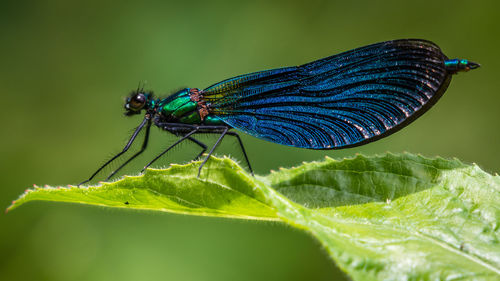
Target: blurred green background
[[66, 66]]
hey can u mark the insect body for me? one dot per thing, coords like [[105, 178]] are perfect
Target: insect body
[[341, 101]]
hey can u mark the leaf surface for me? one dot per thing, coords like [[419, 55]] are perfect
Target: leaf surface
[[389, 217]]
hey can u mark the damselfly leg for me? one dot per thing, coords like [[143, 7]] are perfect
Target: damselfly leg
[[170, 147], [127, 146], [143, 147]]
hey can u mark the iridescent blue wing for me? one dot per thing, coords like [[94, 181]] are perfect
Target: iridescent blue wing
[[336, 102]]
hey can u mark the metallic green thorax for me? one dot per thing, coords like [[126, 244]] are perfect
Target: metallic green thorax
[[183, 108]]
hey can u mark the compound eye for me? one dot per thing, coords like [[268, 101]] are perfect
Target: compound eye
[[137, 101]]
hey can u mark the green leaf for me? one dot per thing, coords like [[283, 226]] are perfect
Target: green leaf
[[390, 217]]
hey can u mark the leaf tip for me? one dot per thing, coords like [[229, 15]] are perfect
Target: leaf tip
[[12, 206]]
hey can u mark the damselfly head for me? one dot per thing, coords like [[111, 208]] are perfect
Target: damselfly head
[[136, 102]]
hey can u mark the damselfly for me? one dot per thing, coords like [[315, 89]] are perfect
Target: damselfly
[[341, 101]]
